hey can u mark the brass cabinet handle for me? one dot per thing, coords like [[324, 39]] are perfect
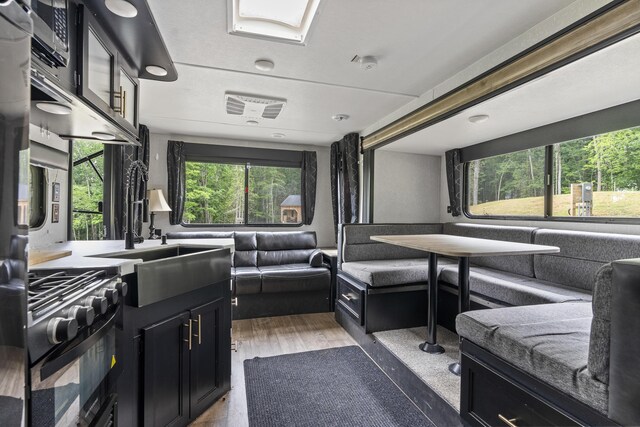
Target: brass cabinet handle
[[189, 325], [510, 422], [119, 95], [348, 297], [124, 103], [199, 322]]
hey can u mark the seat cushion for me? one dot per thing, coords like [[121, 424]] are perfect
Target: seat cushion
[[600, 342], [391, 272], [512, 289], [550, 342], [294, 278], [520, 264], [247, 280]]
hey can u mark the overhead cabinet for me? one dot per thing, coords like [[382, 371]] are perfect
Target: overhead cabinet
[[105, 78]]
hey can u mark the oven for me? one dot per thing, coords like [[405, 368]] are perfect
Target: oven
[[74, 324], [74, 385]]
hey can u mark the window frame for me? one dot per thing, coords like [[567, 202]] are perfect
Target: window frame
[[42, 184], [548, 197], [221, 154]]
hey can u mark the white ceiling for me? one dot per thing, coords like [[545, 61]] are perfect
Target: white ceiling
[[419, 44], [601, 80]]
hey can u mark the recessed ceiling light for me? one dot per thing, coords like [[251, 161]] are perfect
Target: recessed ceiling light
[[54, 108], [252, 122], [121, 8], [105, 136], [156, 70], [264, 64], [340, 117], [479, 118], [278, 135]]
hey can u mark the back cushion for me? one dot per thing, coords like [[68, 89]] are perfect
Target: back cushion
[[581, 255], [598, 362], [358, 246], [200, 235], [520, 264], [246, 249], [278, 248]]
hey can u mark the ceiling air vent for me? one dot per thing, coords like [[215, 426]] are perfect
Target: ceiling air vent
[[253, 106]]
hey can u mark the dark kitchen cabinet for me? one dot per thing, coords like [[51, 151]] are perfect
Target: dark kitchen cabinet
[[105, 78], [186, 364], [166, 372]]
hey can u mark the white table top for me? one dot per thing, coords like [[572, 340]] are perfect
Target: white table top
[[460, 246]]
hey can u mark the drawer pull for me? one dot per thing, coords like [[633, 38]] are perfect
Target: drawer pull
[[348, 297], [510, 422], [234, 302]]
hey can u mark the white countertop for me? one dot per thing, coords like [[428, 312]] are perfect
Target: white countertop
[[83, 253]]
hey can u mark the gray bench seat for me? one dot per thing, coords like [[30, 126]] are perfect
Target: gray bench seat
[[392, 272], [513, 289], [550, 342]]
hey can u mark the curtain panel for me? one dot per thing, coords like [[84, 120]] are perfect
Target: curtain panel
[[124, 156], [454, 180], [345, 180], [309, 179], [176, 175]]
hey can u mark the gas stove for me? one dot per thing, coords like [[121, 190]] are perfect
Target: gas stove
[[61, 305]]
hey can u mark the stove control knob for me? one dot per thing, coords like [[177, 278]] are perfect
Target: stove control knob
[[121, 287], [60, 330], [84, 315], [99, 304], [111, 295]]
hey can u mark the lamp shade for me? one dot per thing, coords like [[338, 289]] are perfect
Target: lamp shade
[[157, 202]]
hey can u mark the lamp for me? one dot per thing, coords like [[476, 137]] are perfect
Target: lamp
[[157, 203]]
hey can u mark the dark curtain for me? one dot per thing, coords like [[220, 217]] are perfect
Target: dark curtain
[[454, 180], [124, 156], [345, 180], [309, 178], [176, 180]]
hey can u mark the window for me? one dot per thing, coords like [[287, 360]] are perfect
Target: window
[[228, 185], [510, 184], [36, 198], [597, 176], [88, 190]]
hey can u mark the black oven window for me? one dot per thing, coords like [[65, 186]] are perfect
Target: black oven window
[[34, 201]]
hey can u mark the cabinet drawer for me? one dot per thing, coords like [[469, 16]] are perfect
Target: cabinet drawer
[[489, 399], [350, 298]]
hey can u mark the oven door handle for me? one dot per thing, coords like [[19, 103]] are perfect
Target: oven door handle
[[57, 361]]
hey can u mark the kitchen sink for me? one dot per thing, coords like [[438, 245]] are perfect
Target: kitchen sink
[[169, 271]]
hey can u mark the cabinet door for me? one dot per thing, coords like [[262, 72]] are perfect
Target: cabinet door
[[166, 372], [210, 355], [97, 64], [128, 97]]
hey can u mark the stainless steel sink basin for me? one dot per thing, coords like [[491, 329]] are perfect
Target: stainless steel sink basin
[[169, 271]]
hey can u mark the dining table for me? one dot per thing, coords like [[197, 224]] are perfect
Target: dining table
[[463, 248]]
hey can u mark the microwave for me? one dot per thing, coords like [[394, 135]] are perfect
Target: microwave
[[51, 31]]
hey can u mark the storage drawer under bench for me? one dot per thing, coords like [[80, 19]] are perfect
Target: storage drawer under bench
[[350, 297]]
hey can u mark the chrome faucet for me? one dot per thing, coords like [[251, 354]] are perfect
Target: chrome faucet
[[130, 237]]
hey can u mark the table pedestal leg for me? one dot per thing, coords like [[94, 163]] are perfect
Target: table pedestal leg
[[431, 346], [463, 299]]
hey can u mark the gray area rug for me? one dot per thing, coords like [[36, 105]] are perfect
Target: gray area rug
[[433, 369], [334, 387]]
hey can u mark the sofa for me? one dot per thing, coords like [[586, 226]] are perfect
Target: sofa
[[274, 273], [577, 362]]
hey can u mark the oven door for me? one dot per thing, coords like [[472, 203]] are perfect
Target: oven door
[[75, 385]]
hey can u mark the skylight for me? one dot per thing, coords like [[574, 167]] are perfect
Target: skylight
[[284, 20]]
